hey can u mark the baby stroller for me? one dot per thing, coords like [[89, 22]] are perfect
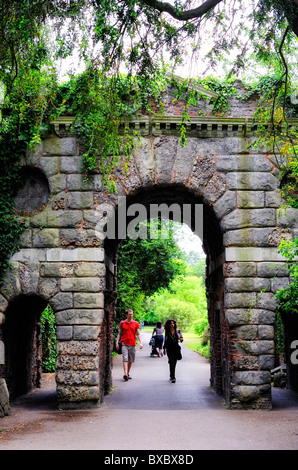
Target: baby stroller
[[153, 348]]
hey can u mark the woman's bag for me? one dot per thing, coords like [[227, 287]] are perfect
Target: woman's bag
[[179, 354], [152, 341]]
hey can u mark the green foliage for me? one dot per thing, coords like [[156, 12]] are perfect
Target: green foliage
[[139, 272], [98, 102], [48, 340], [21, 125], [288, 296], [184, 300]]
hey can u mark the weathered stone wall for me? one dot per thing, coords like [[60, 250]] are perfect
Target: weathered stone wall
[[64, 263]]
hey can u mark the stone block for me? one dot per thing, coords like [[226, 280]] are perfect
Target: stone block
[[253, 254], [64, 362], [267, 301], [262, 347], [4, 399], [83, 284], [49, 165], [243, 316], [80, 200], [3, 303], [266, 332], [77, 377], [79, 394], [250, 162], [11, 286], [25, 240], [85, 363], [252, 181], [48, 237], [85, 269], [279, 283], [88, 300], [240, 300], [79, 182], [62, 301], [250, 199], [71, 165], [241, 218], [92, 217], [29, 255], [85, 333], [242, 269], [225, 204], [56, 269], [60, 146], [252, 377], [40, 219], [80, 317], [48, 287], [64, 218], [64, 333], [247, 332], [246, 284], [245, 393], [273, 198], [57, 184], [288, 217], [266, 269], [75, 254], [29, 277], [266, 362], [78, 348]]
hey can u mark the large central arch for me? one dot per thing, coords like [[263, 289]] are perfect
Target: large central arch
[[163, 199]]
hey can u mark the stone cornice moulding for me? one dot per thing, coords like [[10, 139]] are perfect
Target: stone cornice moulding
[[196, 126]]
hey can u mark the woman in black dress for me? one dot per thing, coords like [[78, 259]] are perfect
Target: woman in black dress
[[171, 346]]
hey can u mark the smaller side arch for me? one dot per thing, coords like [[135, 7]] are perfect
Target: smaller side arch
[[23, 347]]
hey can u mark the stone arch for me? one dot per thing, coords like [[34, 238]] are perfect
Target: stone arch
[[62, 260], [164, 196], [23, 348]]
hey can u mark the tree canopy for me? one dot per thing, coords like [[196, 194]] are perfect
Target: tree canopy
[[136, 33]]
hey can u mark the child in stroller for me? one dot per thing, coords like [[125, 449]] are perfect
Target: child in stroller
[[153, 347]]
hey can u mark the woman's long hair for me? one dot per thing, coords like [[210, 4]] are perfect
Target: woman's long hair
[[168, 324]]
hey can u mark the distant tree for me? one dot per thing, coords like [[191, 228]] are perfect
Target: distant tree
[[144, 267]]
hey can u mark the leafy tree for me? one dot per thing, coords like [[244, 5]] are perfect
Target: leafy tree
[[48, 340], [144, 267], [288, 296], [184, 300]]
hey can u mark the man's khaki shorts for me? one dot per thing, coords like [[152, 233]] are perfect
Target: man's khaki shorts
[[128, 353]]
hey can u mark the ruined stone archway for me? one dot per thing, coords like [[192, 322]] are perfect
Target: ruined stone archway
[[62, 261]]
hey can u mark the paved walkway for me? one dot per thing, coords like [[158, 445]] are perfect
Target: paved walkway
[[150, 413]]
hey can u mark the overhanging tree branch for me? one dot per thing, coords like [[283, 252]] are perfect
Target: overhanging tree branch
[[164, 7]]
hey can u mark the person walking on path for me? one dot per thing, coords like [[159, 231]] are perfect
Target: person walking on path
[[158, 336], [172, 347], [130, 330]]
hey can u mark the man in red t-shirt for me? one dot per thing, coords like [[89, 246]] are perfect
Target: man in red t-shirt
[[130, 330]]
